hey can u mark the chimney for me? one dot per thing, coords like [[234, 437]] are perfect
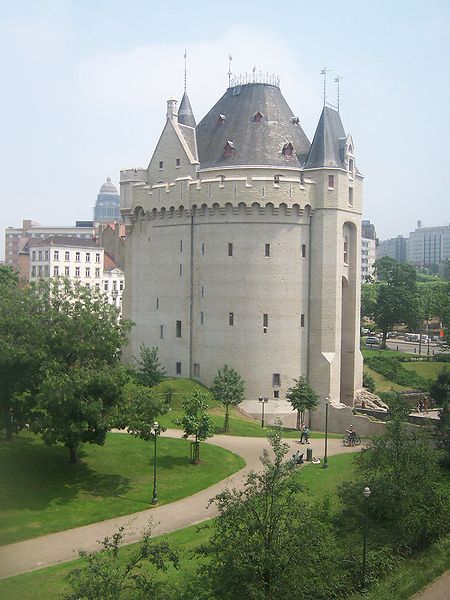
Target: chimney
[[419, 224], [172, 113]]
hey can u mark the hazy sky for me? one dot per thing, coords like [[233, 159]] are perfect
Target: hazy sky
[[85, 83]]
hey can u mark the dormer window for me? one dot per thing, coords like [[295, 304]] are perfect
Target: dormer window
[[220, 119], [222, 178], [288, 150], [161, 164], [295, 121], [228, 150], [258, 117], [276, 179]]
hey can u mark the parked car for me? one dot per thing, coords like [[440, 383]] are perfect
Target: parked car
[[372, 341]]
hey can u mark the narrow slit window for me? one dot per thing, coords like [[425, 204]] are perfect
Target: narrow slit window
[[276, 393], [178, 368], [350, 196], [231, 318], [203, 291], [177, 162], [265, 320], [196, 370], [161, 164], [181, 270], [276, 379], [345, 251], [267, 250], [181, 245], [303, 250], [202, 318], [302, 320], [157, 303], [161, 332], [230, 249], [331, 182], [203, 248], [178, 329]]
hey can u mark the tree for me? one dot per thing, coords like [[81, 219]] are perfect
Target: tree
[[229, 388], [268, 542], [150, 371], [105, 575], [408, 507], [396, 300], [440, 392], [21, 353], [368, 299], [79, 406], [196, 421], [302, 397], [81, 393]]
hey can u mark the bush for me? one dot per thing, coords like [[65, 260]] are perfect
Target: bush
[[369, 382], [392, 368]]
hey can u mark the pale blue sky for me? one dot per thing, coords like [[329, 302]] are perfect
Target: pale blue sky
[[85, 84]]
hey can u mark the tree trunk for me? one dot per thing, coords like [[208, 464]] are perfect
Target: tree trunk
[[73, 456], [383, 341], [226, 425], [298, 421]]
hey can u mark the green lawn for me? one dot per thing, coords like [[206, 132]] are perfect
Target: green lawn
[[382, 384], [429, 370], [42, 493], [49, 583]]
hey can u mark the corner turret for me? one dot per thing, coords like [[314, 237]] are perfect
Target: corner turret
[[185, 112]]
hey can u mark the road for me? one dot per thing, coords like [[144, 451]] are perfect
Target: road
[[411, 347]]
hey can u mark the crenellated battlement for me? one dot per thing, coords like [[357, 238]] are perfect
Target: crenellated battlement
[[213, 193]]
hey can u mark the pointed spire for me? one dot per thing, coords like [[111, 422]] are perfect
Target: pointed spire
[[326, 146], [185, 113]]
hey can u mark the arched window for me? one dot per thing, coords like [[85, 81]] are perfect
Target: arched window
[[288, 150]]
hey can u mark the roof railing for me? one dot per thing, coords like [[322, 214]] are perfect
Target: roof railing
[[254, 77]]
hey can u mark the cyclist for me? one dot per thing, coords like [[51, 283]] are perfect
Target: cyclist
[[351, 435]]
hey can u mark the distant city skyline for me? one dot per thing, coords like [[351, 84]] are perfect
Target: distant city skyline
[[84, 80]]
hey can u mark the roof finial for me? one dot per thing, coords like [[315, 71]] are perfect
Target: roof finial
[[230, 58], [185, 70], [337, 80], [324, 72]]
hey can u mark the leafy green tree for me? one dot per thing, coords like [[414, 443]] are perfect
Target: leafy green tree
[[79, 406], [268, 542], [104, 575], [368, 299], [21, 353], [408, 508], [440, 392], [196, 421], [302, 397], [150, 371], [229, 388], [396, 300]]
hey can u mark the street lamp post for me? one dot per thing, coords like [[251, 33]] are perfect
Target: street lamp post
[[156, 432], [325, 456], [263, 401], [366, 494]]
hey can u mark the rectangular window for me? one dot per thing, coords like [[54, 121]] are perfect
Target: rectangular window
[[56, 255], [345, 251], [276, 393], [350, 196], [203, 248], [303, 250], [87, 272], [181, 270], [351, 166], [196, 370], [105, 283], [40, 270], [33, 255], [77, 256], [267, 250], [46, 255], [33, 271], [77, 271], [121, 285], [97, 286], [177, 162], [331, 182], [202, 318], [161, 332], [276, 379], [265, 320], [178, 368], [231, 318], [66, 255], [67, 271], [178, 329], [88, 257], [203, 291], [55, 271], [230, 249], [302, 320], [181, 245], [157, 303], [97, 257], [40, 255], [161, 164], [97, 272]]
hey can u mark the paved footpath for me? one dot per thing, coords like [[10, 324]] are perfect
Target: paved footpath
[[65, 545], [438, 590]]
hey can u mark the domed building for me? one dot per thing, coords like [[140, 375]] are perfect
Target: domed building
[[107, 207], [243, 245]]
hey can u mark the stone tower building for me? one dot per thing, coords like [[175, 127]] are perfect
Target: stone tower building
[[243, 248]]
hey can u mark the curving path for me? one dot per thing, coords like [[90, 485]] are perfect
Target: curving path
[[65, 545]]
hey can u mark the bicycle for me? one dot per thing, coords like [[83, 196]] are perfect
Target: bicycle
[[351, 440]]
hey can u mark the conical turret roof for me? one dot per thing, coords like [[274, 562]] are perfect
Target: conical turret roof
[[185, 112], [258, 122], [328, 142]]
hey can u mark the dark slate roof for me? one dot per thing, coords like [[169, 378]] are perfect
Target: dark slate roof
[[328, 142], [185, 113], [63, 240], [189, 137], [255, 142]]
